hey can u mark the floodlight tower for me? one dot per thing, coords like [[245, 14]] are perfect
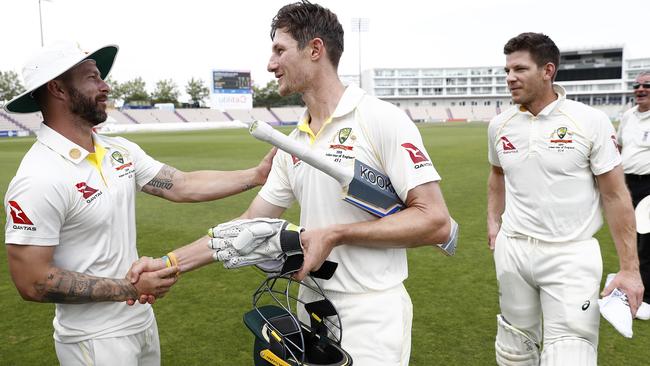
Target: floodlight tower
[[360, 25], [40, 19]]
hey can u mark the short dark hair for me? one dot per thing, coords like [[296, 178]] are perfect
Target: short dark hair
[[306, 21], [540, 46]]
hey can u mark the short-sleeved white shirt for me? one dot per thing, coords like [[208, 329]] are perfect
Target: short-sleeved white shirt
[[58, 198], [383, 137], [634, 137], [549, 163]]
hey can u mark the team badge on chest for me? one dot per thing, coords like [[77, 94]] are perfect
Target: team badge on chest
[[561, 140]]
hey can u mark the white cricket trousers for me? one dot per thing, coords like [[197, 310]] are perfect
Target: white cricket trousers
[[376, 325], [141, 349], [558, 282]]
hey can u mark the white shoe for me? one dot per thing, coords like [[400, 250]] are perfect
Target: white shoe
[[616, 310], [644, 311]]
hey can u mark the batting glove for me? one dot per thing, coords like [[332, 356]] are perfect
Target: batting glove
[[263, 242]]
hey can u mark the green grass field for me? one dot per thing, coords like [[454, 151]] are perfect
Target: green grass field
[[200, 321]]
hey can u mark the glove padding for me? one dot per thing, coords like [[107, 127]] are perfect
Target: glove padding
[[246, 242]]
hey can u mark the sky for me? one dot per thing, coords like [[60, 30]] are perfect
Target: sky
[[181, 39]]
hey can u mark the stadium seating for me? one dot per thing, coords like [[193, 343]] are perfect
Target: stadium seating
[[483, 113], [242, 115], [119, 117], [288, 115], [264, 114], [31, 121]]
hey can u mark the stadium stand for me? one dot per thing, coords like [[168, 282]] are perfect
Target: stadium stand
[[119, 117], [459, 113], [202, 115], [152, 115], [483, 113], [30, 121], [437, 114], [288, 115], [418, 114], [265, 115], [242, 115]]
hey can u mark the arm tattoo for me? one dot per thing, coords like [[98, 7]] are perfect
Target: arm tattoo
[[163, 181], [67, 287]]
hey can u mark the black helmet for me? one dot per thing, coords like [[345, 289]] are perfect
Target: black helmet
[[281, 338]]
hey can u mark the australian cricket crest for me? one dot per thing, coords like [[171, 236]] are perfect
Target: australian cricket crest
[[121, 161], [343, 134], [117, 156], [561, 139]]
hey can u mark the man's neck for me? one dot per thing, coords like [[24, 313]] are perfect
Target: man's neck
[[73, 128], [549, 96], [321, 101]]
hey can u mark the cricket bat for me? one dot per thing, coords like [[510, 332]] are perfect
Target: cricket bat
[[364, 187]]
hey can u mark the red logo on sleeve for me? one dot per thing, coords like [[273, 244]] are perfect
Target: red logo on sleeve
[[416, 154], [86, 190], [18, 215], [507, 145]]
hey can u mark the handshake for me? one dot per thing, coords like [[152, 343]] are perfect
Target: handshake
[[272, 245]]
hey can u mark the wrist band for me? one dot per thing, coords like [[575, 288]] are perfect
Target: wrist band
[[174, 262], [168, 262], [172, 258]]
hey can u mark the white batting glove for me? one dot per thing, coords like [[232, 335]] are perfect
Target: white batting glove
[[248, 242]]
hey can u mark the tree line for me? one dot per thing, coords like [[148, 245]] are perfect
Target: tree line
[[134, 92]]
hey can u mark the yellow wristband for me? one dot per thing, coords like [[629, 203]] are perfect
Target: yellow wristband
[[172, 258], [174, 262]]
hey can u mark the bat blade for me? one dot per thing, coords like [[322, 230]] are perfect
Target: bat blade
[[372, 191]]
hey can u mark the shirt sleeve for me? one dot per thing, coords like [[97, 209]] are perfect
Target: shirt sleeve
[[493, 156], [146, 167], [604, 152], [277, 189], [36, 210], [398, 144]]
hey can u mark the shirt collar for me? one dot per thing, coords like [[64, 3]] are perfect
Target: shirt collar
[[641, 115], [561, 97], [349, 101], [62, 146]]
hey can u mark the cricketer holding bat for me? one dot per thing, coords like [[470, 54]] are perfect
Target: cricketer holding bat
[[70, 233], [342, 124], [554, 162]]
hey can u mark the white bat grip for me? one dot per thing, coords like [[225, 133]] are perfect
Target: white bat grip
[[264, 132]]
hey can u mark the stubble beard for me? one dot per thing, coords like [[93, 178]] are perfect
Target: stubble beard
[[86, 108]]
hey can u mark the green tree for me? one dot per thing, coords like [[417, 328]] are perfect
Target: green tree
[[268, 96], [134, 92], [10, 85], [166, 92], [197, 91]]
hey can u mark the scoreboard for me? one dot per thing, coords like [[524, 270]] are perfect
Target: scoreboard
[[231, 89], [226, 81]]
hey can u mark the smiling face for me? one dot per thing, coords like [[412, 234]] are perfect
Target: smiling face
[[289, 63], [642, 94], [88, 92]]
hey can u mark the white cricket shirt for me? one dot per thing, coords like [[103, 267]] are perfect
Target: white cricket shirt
[[59, 198], [634, 137], [382, 136], [549, 163]]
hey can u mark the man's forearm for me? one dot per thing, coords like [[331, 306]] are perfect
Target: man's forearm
[[68, 287], [620, 218], [495, 198], [194, 255]]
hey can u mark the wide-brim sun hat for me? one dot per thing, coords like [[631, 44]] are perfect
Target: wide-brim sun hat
[[642, 214], [52, 61]]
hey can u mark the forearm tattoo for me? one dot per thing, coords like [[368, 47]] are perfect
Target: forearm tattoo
[[163, 181], [67, 287]]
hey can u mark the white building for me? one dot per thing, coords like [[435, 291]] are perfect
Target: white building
[[601, 77]]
